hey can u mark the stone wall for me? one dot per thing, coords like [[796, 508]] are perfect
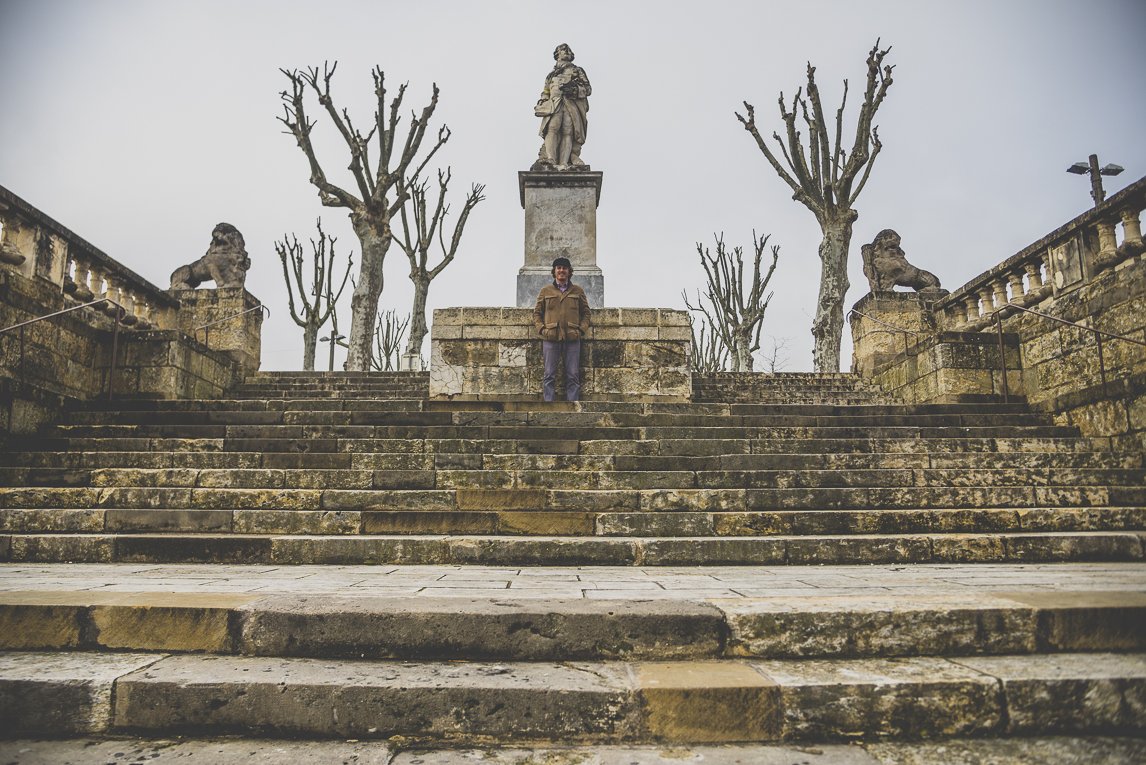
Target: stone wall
[[495, 354], [952, 367], [1080, 273], [239, 331]]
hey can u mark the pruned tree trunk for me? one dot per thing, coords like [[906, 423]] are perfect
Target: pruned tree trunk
[[309, 345], [419, 228], [381, 191], [736, 317], [826, 179], [317, 299], [418, 326], [828, 325], [367, 291]]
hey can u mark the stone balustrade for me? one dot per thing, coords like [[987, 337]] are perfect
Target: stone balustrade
[[1065, 260], [37, 247]]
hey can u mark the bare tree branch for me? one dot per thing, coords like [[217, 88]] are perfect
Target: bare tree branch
[[822, 179]]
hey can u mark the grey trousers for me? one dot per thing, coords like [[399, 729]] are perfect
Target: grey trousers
[[550, 351]]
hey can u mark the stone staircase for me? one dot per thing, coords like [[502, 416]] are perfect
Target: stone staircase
[[333, 469], [784, 388], [299, 385]]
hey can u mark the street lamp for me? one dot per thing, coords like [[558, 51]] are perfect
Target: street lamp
[[1082, 168], [333, 340]]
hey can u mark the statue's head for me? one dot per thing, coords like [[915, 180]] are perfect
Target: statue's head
[[226, 240], [563, 47], [886, 241]]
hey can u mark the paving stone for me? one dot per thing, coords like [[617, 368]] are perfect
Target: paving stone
[[901, 698], [1069, 692], [327, 697], [58, 694], [478, 628], [708, 702], [878, 625]]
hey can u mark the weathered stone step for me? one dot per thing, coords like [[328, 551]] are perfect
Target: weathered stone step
[[407, 427], [547, 455], [716, 700], [574, 551], [524, 629], [570, 515], [611, 490], [378, 471], [547, 419]]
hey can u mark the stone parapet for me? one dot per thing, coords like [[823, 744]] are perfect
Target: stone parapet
[[495, 354], [884, 324], [238, 332], [952, 367]]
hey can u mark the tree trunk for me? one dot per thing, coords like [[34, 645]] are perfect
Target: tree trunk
[[374, 237], [828, 327], [309, 342], [418, 328], [742, 354]]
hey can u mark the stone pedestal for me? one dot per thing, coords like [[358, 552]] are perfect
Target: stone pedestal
[[239, 337], [560, 221], [494, 354], [877, 325]]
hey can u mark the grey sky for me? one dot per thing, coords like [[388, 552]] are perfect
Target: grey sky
[[140, 125]]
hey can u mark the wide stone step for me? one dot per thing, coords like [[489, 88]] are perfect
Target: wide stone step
[[567, 514], [547, 419], [630, 701], [525, 629], [573, 551], [604, 490], [397, 471], [419, 425], [537, 455]]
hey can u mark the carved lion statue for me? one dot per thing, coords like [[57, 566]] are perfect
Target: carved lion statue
[[885, 266], [226, 262]]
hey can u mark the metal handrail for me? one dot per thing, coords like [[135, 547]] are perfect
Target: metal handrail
[[1098, 333], [120, 311], [207, 327], [906, 332]]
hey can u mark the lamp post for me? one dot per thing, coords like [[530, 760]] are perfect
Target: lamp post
[[333, 340], [1082, 168]]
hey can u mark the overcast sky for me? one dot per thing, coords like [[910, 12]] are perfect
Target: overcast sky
[[141, 125]]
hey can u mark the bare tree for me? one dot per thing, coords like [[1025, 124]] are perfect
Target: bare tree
[[321, 288], [418, 238], [775, 359], [825, 182], [381, 191], [387, 340], [737, 317], [709, 354]]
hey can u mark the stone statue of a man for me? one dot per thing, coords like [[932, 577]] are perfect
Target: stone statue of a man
[[562, 108]]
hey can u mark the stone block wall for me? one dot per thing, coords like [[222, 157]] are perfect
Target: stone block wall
[[63, 355], [170, 365], [239, 336], [495, 354], [952, 367]]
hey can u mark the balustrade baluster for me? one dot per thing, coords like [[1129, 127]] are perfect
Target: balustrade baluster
[[1132, 243]]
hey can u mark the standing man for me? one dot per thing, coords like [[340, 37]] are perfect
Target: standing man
[[561, 317]]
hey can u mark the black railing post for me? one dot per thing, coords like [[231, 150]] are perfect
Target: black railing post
[[114, 353], [1101, 365], [1002, 356]]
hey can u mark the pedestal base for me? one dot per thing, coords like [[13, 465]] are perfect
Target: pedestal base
[[531, 280], [628, 354]]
